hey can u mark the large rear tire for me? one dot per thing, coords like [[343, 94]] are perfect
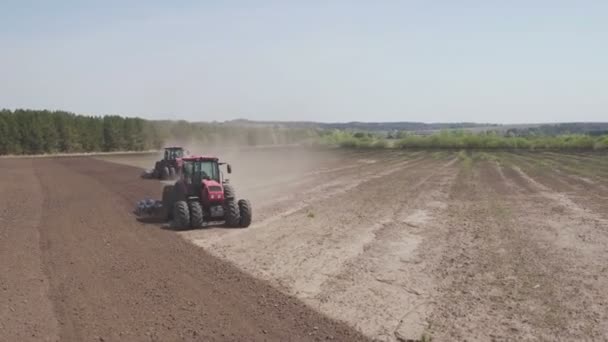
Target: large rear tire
[[165, 173], [181, 215], [168, 199], [196, 214], [229, 193], [180, 191], [232, 213], [245, 212]]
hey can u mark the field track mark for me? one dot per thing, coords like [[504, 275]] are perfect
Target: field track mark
[[354, 163], [589, 171], [578, 174], [505, 273], [589, 196], [571, 249], [331, 189], [562, 199], [396, 216], [600, 161], [389, 267], [26, 310], [333, 177]]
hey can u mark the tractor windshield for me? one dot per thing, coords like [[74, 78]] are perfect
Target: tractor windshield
[[209, 170], [172, 154], [201, 169]]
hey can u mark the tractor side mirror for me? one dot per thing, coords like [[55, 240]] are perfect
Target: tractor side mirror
[[229, 168]]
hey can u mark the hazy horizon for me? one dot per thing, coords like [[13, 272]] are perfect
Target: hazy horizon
[[343, 61]]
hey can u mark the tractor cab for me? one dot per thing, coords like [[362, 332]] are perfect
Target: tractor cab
[[203, 178], [198, 168], [173, 153]]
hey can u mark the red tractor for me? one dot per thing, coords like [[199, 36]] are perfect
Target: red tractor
[[170, 166], [202, 195]]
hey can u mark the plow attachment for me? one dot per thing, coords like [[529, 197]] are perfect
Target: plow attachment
[[150, 208], [148, 174]]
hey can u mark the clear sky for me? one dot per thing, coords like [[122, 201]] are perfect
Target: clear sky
[[430, 61]]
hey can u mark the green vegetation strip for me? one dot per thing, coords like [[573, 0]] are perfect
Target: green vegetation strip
[[468, 140]]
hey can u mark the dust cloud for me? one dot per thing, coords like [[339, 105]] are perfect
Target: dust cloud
[[259, 173]]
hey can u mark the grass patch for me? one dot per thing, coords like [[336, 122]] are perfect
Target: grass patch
[[359, 140], [426, 338], [465, 157], [484, 156], [438, 155]]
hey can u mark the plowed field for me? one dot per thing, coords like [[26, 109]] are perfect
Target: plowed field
[[345, 245]]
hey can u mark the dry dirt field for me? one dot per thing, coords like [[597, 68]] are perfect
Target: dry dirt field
[[345, 245]]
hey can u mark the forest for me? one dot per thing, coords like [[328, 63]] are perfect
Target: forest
[[25, 131]]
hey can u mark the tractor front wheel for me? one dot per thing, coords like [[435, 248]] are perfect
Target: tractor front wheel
[[245, 213], [181, 215], [196, 214], [232, 213], [165, 173]]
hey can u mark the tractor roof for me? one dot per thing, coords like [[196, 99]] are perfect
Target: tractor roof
[[174, 148], [202, 158]]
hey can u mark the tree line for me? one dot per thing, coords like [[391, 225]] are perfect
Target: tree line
[[24, 131]]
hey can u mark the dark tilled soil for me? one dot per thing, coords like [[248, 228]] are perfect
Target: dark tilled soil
[[75, 265]]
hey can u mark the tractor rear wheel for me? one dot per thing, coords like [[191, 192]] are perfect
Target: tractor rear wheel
[[157, 172], [196, 214], [165, 173], [229, 192], [181, 215], [232, 213], [245, 212], [168, 201]]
